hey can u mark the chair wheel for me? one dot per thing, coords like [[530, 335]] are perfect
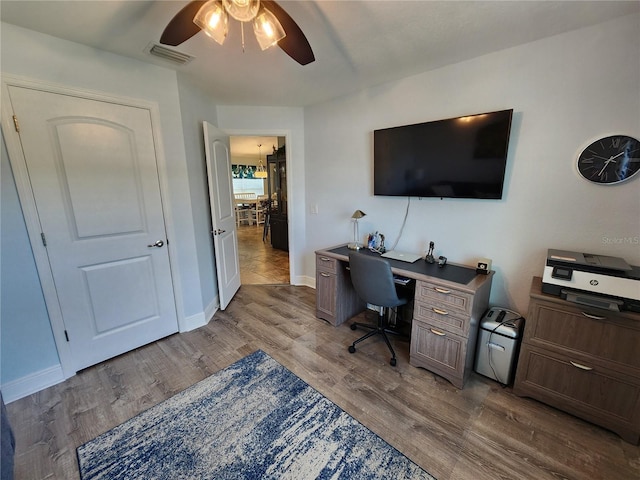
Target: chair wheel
[[352, 349], [392, 362], [353, 326]]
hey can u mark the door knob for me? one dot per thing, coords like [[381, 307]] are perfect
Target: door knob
[[218, 231], [158, 244]]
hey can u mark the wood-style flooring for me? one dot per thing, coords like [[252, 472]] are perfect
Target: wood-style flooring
[[260, 263], [480, 432]]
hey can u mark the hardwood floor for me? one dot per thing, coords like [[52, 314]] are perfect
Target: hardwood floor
[[480, 432], [260, 263]]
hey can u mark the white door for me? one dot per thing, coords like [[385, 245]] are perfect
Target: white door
[[93, 172], [225, 238]]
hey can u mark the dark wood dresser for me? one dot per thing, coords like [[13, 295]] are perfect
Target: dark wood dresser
[[582, 360]]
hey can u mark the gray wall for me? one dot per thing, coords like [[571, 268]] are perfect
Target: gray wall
[[26, 341], [566, 91]]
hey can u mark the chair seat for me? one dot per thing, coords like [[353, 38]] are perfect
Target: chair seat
[[372, 280]]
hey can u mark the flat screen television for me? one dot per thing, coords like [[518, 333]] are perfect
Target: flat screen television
[[463, 157]]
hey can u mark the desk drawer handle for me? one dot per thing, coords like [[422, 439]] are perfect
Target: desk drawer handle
[[580, 366], [442, 290], [440, 312], [325, 259], [325, 274], [593, 317], [438, 332]]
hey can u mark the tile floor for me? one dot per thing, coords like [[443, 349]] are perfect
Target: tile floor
[[260, 263]]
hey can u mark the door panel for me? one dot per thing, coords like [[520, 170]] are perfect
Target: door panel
[[97, 176], [93, 172], [225, 239]]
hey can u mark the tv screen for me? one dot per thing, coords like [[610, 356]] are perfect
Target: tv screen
[[463, 157]]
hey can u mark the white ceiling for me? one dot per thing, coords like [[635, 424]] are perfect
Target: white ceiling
[[357, 44]]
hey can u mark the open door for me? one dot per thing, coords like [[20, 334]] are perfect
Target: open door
[[225, 239]]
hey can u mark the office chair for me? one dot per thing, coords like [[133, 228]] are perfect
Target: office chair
[[373, 282]]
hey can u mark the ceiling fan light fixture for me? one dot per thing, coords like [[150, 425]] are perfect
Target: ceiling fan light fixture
[[267, 29], [212, 18], [242, 10]]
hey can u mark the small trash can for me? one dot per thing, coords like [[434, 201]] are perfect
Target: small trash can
[[498, 344]]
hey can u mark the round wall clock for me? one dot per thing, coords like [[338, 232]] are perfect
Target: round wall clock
[[610, 160]]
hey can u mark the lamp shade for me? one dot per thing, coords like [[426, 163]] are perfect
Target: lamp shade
[[358, 214], [212, 18], [267, 29]]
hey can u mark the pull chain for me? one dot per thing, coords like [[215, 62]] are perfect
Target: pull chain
[[242, 31]]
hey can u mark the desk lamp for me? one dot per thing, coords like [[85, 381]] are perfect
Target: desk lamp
[[356, 245]]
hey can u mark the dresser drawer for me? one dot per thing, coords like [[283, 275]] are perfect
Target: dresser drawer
[[327, 264], [600, 334], [438, 351], [445, 296], [443, 317], [598, 394]]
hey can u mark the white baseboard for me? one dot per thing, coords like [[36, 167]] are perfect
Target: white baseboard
[[211, 309], [17, 389], [192, 322], [200, 319], [305, 280]]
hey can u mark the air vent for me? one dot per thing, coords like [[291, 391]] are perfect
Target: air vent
[[168, 54]]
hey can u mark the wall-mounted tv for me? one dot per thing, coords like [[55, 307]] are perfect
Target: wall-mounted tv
[[463, 157]]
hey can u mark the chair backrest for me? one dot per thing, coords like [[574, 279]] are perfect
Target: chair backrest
[[373, 280], [245, 196]]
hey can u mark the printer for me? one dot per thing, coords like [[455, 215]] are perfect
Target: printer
[[594, 280]]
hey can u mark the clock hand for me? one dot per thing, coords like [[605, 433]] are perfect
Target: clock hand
[[606, 164]]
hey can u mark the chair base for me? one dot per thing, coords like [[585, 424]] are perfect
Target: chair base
[[378, 329]]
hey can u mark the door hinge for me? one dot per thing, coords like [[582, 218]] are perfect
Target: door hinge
[[66, 335], [44, 239], [16, 124]]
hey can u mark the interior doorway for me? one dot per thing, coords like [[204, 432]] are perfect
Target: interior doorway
[[260, 262]]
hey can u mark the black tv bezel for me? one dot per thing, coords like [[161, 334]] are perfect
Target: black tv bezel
[[496, 194]]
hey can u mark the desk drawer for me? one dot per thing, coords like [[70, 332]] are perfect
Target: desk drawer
[[446, 296], [438, 351], [443, 317], [327, 264]]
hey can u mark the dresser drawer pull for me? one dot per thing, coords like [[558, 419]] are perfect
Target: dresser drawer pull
[[442, 290], [593, 317], [580, 366], [438, 332], [325, 259], [325, 274], [439, 312]]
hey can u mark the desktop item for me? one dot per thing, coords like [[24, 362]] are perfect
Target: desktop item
[[373, 281], [429, 258], [402, 256], [484, 266], [356, 245], [442, 261]]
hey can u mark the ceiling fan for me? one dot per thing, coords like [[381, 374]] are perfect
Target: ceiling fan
[[266, 15]]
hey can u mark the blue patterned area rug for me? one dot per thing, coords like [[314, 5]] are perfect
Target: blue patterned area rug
[[252, 420]]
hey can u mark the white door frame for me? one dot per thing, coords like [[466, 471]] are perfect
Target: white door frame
[[27, 201], [292, 208]]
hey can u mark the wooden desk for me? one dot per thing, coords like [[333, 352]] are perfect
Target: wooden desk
[[449, 303]]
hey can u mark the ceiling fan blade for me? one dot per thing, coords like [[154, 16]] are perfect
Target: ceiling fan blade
[[181, 27], [295, 44]]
